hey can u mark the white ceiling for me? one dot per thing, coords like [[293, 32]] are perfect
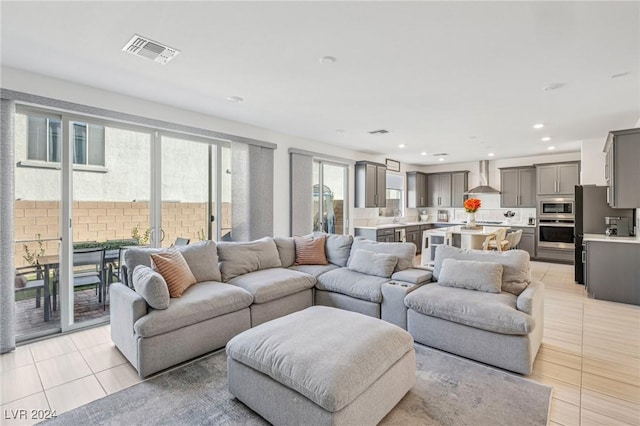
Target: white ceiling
[[461, 78]]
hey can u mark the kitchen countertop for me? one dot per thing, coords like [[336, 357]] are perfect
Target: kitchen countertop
[[453, 223], [612, 239], [460, 230]]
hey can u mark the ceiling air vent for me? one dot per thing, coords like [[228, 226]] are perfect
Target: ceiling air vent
[[379, 132], [142, 46]]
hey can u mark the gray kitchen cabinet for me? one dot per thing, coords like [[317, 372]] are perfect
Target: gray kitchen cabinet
[[459, 185], [440, 190], [621, 168], [416, 190], [371, 184], [612, 271], [412, 235], [528, 240], [557, 179], [386, 235], [518, 187]]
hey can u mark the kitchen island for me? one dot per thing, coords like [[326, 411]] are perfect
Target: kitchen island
[[458, 236]]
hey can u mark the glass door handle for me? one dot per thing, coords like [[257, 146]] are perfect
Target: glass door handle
[[212, 218]]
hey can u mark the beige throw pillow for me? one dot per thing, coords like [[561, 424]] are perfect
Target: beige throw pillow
[[175, 271], [310, 251]]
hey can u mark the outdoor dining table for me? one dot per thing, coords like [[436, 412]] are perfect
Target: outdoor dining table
[[51, 263]]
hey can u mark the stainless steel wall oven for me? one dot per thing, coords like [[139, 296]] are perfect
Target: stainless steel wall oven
[[556, 233]]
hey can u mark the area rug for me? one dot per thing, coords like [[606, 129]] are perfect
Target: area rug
[[449, 391]]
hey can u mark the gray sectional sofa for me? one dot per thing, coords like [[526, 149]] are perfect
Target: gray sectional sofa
[[241, 285]]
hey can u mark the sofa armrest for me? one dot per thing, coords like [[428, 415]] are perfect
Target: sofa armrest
[[126, 308], [413, 276], [531, 298]]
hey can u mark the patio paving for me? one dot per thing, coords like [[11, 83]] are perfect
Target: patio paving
[[30, 319]]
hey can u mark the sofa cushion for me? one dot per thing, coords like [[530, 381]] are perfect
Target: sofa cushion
[[137, 256], [515, 263], [472, 275], [338, 248], [241, 258], [151, 286], [286, 250], [413, 276], [406, 252], [202, 258], [372, 263], [314, 270], [174, 270], [310, 251], [486, 311], [270, 284], [354, 284], [199, 302]]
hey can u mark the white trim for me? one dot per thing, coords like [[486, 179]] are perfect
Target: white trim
[[56, 166]]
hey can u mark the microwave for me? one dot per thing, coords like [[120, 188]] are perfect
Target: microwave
[[557, 208]]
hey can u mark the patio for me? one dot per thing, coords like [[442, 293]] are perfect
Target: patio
[[30, 320]]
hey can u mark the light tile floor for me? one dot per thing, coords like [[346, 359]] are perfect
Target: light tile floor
[[590, 355]]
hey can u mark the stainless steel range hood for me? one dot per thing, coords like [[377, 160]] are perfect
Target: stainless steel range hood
[[484, 187]]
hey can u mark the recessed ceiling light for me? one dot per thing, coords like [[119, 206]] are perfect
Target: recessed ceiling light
[[340, 130], [327, 60], [491, 154], [553, 86], [235, 99], [440, 159], [546, 139], [538, 125], [473, 137], [551, 148], [423, 153], [401, 145]]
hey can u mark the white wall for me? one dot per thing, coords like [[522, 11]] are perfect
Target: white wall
[[593, 161]]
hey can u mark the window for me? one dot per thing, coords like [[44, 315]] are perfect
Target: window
[[88, 144], [45, 141], [395, 196]]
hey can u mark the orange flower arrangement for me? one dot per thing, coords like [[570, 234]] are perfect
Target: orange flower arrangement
[[472, 205]]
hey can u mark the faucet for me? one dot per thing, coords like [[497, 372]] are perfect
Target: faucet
[[396, 214]]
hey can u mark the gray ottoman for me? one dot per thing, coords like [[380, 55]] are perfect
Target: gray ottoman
[[322, 366]]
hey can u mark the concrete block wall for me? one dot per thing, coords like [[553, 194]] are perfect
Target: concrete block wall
[[105, 220]]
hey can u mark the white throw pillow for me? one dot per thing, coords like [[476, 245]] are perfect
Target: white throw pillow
[[472, 275], [372, 263]]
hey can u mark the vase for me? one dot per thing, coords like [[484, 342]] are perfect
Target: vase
[[471, 220]]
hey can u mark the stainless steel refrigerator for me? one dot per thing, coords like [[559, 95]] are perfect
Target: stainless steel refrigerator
[[591, 209]]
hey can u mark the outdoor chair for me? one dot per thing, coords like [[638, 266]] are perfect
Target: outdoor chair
[[182, 241], [30, 278], [89, 269]]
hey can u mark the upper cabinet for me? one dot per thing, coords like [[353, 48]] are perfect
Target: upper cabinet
[[459, 185], [557, 179], [622, 171], [446, 189], [371, 184], [518, 187], [416, 190]]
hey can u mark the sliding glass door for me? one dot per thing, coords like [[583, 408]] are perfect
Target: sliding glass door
[[329, 195], [189, 190], [110, 210], [89, 189], [37, 229]]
